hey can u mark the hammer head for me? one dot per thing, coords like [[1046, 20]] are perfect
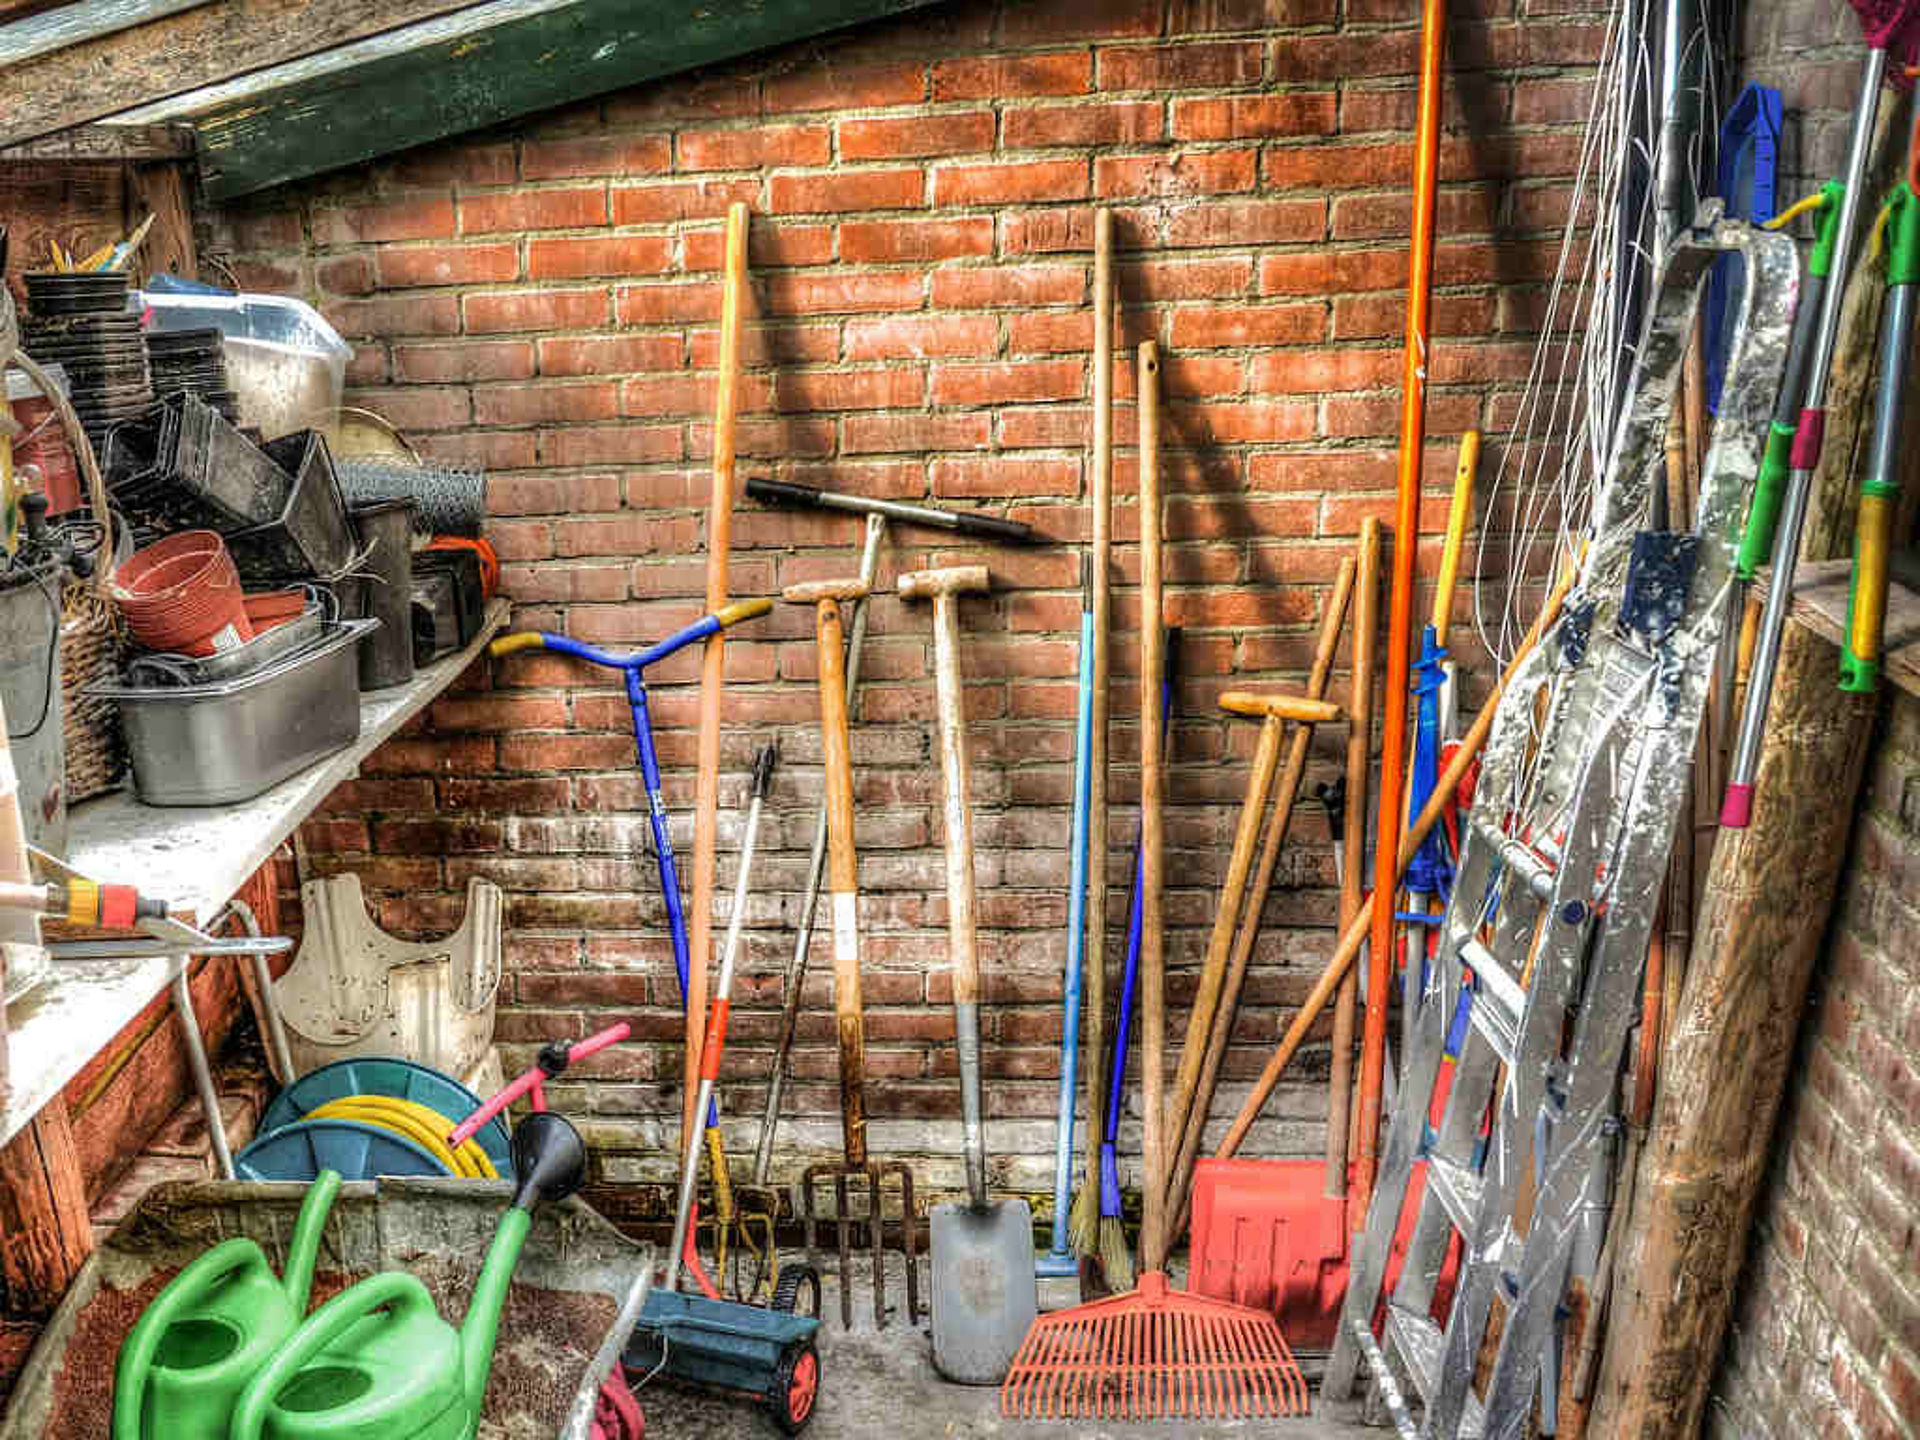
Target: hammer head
[[954, 580], [815, 591], [1280, 707]]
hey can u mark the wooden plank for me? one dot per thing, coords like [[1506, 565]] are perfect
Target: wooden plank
[[161, 141], [490, 64], [75, 24], [196, 859], [45, 1232], [197, 47], [1820, 594]]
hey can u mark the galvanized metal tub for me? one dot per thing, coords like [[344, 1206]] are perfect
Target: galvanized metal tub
[[574, 1272]]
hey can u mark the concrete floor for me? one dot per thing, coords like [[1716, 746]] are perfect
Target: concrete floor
[[881, 1382]]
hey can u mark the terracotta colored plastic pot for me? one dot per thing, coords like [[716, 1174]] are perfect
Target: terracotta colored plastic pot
[[269, 608], [181, 595]]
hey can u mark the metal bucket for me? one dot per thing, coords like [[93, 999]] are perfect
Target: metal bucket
[[30, 689]]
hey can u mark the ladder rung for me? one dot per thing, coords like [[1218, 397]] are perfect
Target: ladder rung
[[1382, 1373], [1536, 864], [1457, 1189], [1421, 1347], [1497, 999], [1418, 1342]]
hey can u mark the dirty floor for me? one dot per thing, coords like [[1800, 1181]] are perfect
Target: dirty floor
[[881, 1382]]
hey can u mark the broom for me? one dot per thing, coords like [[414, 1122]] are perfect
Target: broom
[[1153, 1352]]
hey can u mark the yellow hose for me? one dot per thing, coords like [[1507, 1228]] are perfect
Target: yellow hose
[[411, 1121]]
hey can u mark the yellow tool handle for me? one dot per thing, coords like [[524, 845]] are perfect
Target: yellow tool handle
[[1867, 628], [516, 642], [1457, 520], [743, 610]]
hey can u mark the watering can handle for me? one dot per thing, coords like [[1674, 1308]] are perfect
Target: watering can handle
[[397, 1288], [136, 1357]]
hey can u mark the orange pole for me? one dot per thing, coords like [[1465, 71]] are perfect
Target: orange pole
[[1406, 536]]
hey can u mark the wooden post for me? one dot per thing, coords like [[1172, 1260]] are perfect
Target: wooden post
[[1769, 893]]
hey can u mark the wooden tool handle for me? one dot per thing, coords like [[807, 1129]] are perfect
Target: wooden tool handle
[[706, 804], [1298, 708], [1355, 934], [842, 879], [1179, 1193], [1153, 958]]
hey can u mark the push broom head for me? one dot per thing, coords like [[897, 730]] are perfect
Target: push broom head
[[1154, 1354], [1893, 26]]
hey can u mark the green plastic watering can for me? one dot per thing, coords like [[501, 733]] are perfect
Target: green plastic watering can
[[190, 1355], [377, 1362]]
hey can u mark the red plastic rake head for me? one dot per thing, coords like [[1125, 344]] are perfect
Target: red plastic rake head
[[1154, 1353]]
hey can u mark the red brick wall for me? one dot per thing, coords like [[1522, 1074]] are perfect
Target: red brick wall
[[542, 301], [1826, 1340]]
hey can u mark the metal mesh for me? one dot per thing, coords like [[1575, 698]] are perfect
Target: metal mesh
[[446, 501]]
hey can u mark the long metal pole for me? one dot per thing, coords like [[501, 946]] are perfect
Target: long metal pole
[[715, 1037], [816, 872], [1737, 809], [1406, 532]]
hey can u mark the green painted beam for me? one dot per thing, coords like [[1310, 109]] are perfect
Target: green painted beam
[[475, 68]]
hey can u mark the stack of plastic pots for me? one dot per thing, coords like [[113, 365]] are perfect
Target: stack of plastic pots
[[182, 596]]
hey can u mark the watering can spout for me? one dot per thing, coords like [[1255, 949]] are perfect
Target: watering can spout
[[305, 1249], [551, 1161]]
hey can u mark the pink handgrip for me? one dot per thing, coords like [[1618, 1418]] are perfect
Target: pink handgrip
[[533, 1077], [471, 1126], [1737, 810], [612, 1035]]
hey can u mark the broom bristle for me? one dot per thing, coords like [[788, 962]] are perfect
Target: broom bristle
[[1116, 1256], [1083, 1221]]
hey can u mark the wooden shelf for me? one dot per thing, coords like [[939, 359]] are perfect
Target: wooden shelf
[[196, 859], [1820, 603]]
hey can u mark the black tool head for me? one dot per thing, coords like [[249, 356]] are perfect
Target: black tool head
[[549, 1157]]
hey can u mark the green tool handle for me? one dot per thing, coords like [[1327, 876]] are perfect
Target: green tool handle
[[199, 1279], [395, 1289], [1770, 486], [1865, 635]]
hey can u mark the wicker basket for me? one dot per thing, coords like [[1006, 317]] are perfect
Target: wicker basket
[[93, 637], [93, 644]]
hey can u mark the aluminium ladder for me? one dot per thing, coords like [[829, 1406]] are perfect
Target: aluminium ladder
[[1562, 861]]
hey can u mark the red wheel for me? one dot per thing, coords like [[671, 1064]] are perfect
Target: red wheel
[[796, 1386]]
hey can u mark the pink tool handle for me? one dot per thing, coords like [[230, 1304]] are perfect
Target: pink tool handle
[[533, 1079]]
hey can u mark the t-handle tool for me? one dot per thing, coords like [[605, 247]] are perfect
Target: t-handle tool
[[1880, 488], [984, 1296], [878, 513], [963, 522], [634, 668], [826, 597]]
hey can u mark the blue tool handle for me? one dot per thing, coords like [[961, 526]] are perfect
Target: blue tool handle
[[699, 630], [1130, 984], [1076, 941]]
